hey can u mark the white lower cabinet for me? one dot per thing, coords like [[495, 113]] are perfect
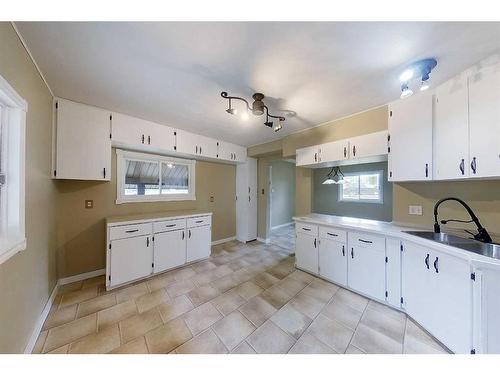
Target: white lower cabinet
[[198, 243], [306, 252], [393, 272], [169, 250], [130, 259], [333, 261], [437, 293]]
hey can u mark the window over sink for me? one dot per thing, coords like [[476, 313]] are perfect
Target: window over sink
[[363, 187], [151, 178]]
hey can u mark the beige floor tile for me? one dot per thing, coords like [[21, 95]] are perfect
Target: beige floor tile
[[96, 304], [257, 310], [136, 346], [70, 332], [265, 280], [291, 286], [334, 334], [138, 325], [167, 337], [116, 313], [61, 350], [202, 294], [204, 278], [228, 302], [374, 342], [302, 276], [243, 275], [175, 308], [94, 281], [413, 346], [78, 296], [270, 339], [202, 317], [233, 329], [321, 290], [225, 283], [352, 299], [71, 287], [60, 317], [342, 313], [101, 342], [179, 288], [38, 348], [385, 324], [351, 349], [307, 305], [393, 313], [204, 266], [131, 292], [184, 273], [248, 290], [205, 343], [161, 281], [276, 296], [150, 300], [222, 271], [414, 335], [308, 344], [291, 321], [243, 348]]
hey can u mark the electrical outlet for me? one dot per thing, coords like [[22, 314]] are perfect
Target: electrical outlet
[[415, 210], [89, 203], [212, 199]]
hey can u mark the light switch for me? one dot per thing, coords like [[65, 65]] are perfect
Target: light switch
[[212, 199], [415, 210], [89, 203]]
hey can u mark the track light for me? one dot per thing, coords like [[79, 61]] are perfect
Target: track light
[[419, 69], [405, 91], [424, 86], [277, 127], [230, 110], [406, 75]]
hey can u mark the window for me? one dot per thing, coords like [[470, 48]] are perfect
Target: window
[[12, 153], [151, 178], [362, 187]]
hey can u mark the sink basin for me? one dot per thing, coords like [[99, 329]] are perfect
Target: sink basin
[[487, 249]]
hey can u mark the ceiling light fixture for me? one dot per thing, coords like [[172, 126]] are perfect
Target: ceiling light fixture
[[405, 91], [258, 108], [418, 70], [336, 178]]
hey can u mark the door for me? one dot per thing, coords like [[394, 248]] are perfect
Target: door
[[82, 130], [451, 130], [410, 128], [186, 142], [199, 241], [246, 200], [333, 151], [368, 145], [307, 156], [169, 250], [486, 307], [393, 272], [333, 261], [306, 252], [484, 122], [131, 259], [252, 198]]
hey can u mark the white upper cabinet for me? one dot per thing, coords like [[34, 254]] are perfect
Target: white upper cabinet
[[338, 150], [207, 147], [451, 130], [307, 156], [368, 145], [410, 139], [186, 142], [484, 122], [82, 149]]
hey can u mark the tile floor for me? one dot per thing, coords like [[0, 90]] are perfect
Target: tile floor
[[284, 237], [244, 299]]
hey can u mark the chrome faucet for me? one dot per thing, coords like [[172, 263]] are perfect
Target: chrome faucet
[[482, 234]]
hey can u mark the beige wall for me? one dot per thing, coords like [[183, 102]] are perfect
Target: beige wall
[[263, 219], [27, 279], [282, 192], [81, 231]]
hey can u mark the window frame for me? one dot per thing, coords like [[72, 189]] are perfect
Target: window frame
[[13, 155], [122, 156], [359, 174]]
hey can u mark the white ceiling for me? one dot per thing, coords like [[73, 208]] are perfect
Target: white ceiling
[[173, 73]]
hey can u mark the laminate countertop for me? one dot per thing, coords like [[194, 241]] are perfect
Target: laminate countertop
[[155, 216]]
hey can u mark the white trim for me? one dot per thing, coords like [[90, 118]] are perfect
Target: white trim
[[10, 96], [359, 174], [264, 240], [82, 276], [41, 320], [282, 225], [218, 242]]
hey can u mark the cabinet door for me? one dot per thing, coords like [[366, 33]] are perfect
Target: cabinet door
[[199, 242], [128, 130], [306, 253], [83, 146], [333, 261], [187, 143], [207, 147], [366, 267], [333, 151], [240, 153], [410, 128], [484, 122], [307, 156], [393, 272], [374, 144], [131, 259], [169, 250], [451, 130], [161, 137]]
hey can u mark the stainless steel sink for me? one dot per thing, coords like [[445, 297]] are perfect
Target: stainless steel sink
[[487, 249]]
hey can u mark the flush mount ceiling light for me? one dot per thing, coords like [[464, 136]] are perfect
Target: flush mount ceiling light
[[335, 176], [418, 70], [258, 108]]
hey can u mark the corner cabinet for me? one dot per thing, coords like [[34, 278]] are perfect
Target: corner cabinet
[[81, 142]]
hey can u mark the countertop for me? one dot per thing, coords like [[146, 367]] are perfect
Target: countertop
[[135, 218]]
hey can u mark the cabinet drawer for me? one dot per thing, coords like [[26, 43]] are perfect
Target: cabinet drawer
[[198, 221], [167, 225], [333, 234], [366, 240], [126, 231], [305, 228]]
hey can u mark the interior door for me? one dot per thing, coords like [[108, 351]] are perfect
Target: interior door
[[410, 128], [333, 261], [169, 250], [451, 130], [306, 252], [131, 259], [252, 198], [199, 241], [484, 122]]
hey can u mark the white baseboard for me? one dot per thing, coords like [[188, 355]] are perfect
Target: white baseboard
[[264, 240], [223, 240], [41, 320], [282, 225], [81, 276]]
